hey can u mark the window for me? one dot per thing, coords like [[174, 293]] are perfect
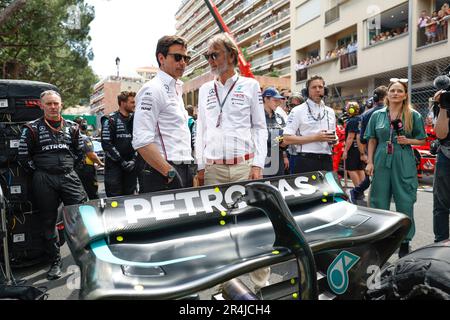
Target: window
[[388, 24], [308, 11]]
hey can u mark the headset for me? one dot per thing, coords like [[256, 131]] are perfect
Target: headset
[[352, 109], [376, 97], [305, 91]]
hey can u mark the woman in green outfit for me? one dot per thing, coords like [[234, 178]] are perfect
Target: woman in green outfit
[[391, 132]]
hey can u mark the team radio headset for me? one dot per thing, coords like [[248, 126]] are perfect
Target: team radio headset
[[305, 92]]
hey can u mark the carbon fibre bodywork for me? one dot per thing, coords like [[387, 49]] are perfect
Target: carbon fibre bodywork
[[172, 244]]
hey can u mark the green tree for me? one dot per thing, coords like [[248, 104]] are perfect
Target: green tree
[[48, 40]]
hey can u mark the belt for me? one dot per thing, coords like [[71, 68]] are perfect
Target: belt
[[232, 161], [315, 156]]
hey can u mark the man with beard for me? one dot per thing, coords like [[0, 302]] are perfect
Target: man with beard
[[231, 139], [120, 157]]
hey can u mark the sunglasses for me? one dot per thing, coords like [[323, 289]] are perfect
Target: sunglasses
[[399, 80], [212, 55], [178, 57]]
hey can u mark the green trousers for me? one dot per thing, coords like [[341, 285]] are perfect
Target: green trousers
[[395, 175]]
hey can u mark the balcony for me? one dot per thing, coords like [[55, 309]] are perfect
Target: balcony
[[435, 33], [182, 7], [262, 44], [348, 60], [252, 16], [262, 26], [285, 72], [188, 16], [276, 57], [194, 24]]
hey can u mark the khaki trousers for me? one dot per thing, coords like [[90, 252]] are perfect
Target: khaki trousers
[[225, 173]]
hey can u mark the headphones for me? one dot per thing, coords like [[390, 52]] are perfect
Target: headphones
[[352, 109], [376, 97], [305, 91]]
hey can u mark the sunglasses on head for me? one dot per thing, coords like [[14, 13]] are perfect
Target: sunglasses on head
[[399, 80], [178, 57], [212, 55]]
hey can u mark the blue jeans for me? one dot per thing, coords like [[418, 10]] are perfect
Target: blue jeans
[[441, 198]]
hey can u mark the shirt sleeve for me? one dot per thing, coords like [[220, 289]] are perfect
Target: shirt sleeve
[[370, 129], [353, 125], [418, 131], [293, 123], [145, 118], [107, 141], [200, 133], [24, 157], [259, 127], [362, 130]]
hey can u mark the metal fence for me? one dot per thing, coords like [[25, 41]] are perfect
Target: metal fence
[[422, 86]]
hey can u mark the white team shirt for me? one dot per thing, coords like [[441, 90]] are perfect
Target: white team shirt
[[160, 118], [242, 127], [302, 123], [282, 113]]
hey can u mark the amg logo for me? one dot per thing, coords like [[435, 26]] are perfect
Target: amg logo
[[55, 147]]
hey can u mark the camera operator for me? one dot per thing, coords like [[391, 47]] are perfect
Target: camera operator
[[441, 186]]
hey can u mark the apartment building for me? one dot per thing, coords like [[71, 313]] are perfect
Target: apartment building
[[148, 73], [260, 27], [104, 98], [359, 45]]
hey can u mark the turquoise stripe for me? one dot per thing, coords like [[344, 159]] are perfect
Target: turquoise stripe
[[94, 227], [102, 252], [92, 222], [332, 182]]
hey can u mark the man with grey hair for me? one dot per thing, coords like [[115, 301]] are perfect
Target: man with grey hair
[[48, 150], [231, 138]]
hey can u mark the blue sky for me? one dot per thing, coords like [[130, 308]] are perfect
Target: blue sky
[[129, 29]]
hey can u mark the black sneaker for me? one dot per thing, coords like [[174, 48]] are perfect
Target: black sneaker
[[55, 271], [404, 249]]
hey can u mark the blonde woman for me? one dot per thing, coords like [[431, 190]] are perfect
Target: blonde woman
[[390, 134]]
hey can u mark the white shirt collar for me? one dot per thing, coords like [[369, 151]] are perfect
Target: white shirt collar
[[168, 79], [228, 82], [312, 103]]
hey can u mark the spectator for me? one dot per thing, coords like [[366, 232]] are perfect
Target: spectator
[[431, 28], [276, 160], [393, 168]]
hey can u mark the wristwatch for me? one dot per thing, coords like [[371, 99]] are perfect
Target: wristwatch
[[171, 174]]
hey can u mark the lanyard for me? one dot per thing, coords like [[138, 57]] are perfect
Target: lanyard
[[221, 104], [391, 127]]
